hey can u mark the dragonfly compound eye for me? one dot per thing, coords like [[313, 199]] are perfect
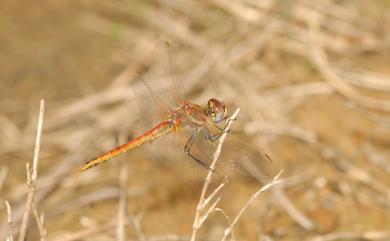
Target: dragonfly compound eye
[[216, 110]]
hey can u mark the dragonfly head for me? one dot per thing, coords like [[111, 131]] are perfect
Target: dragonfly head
[[216, 110]]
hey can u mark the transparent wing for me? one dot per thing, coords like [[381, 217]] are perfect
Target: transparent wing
[[236, 159], [150, 106], [158, 90], [164, 67]]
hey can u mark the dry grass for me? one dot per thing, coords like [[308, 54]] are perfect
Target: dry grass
[[311, 80]]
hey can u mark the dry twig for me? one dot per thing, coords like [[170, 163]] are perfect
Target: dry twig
[[32, 174], [321, 60], [135, 222], [368, 235], [86, 233], [40, 219], [275, 181], [122, 209], [9, 220], [199, 218], [3, 175]]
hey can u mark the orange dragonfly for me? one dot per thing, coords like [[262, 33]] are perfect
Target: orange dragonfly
[[196, 127]]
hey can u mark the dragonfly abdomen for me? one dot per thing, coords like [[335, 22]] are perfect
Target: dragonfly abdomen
[[158, 131]]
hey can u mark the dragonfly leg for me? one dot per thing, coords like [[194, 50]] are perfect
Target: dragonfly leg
[[187, 150], [215, 137], [210, 137], [230, 118], [227, 123]]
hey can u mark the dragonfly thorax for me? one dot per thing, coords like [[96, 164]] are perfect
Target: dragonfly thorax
[[190, 114], [193, 115]]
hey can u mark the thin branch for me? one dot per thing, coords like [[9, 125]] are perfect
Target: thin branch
[[201, 205], [100, 195], [283, 200], [3, 175], [9, 220], [213, 194], [170, 237], [135, 222], [209, 211], [297, 215], [86, 233], [321, 60], [32, 174], [275, 181], [51, 181], [40, 219], [368, 235], [122, 211]]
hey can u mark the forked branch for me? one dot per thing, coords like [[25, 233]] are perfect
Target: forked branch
[[203, 200]]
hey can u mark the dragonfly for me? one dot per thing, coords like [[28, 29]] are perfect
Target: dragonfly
[[196, 128]]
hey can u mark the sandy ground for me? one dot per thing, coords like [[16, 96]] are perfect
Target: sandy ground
[[312, 82]]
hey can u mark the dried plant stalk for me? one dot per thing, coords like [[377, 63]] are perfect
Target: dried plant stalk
[[9, 220], [32, 174], [199, 219]]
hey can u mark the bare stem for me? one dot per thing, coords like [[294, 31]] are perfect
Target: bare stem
[[32, 174], [3, 175], [275, 181], [86, 233], [122, 212], [367, 235], [40, 220], [201, 204], [9, 220]]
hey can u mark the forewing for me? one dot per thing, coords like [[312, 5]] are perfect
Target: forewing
[[165, 68], [158, 92]]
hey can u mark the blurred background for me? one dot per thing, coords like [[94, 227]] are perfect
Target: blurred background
[[312, 79]]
